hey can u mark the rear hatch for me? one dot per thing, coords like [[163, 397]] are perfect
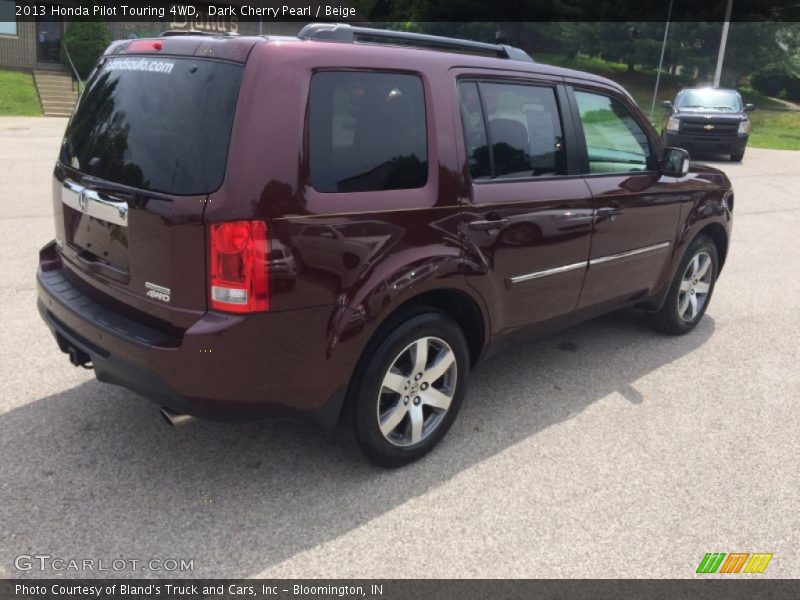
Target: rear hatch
[[145, 147]]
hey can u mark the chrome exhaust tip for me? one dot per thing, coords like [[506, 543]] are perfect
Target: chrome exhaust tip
[[174, 418]]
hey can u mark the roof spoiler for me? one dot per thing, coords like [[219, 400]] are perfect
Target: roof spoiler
[[344, 33]]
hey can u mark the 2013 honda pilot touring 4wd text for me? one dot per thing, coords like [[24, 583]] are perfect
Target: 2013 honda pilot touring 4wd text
[[337, 226]]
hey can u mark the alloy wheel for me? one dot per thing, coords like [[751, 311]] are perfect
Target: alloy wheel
[[695, 286], [417, 391]]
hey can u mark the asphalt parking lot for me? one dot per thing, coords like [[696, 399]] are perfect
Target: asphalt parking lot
[[605, 450]]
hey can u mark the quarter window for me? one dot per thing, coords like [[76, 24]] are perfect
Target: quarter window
[[614, 140], [367, 132], [511, 131]]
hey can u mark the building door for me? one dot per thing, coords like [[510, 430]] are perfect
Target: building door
[[49, 31]]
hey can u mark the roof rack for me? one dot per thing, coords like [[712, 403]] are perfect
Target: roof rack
[[178, 32], [342, 32]]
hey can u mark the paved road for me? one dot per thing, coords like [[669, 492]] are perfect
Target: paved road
[[603, 451]]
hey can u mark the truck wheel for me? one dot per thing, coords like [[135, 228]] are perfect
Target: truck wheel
[[407, 393], [737, 157], [690, 291]]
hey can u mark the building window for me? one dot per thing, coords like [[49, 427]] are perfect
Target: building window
[[367, 132], [8, 17]]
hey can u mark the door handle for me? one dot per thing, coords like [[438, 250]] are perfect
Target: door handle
[[609, 211], [483, 225], [94, 265]]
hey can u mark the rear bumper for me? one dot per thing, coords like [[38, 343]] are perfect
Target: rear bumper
[[710, 144], [224, 367]]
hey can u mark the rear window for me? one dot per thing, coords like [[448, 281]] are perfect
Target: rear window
[[367, 132], [161, 124]]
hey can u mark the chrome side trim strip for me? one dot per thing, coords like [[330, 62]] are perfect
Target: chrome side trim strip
[[90, 203], [546, 272], [585, 263], [610, 257]]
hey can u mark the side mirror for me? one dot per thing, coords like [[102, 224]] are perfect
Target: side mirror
[[675, 162], [667, 104], [749, 107]]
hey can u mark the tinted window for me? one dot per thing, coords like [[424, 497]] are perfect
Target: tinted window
[[367, 132], [480, 166], [160, 124], [614, 140], [523, 126]]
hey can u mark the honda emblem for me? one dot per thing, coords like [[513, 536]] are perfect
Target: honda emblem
[[83, 201]]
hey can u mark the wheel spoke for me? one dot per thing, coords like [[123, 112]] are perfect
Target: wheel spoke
[[693, 306], [395, 382], [686, 285], [417, 419], [695, 265], [702, 287], [390, 422], [420, 355], [440, 367], [703, 267], [436, 399], [684, 304]]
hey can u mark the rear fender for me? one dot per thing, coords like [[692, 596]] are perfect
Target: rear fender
[[404, 277]]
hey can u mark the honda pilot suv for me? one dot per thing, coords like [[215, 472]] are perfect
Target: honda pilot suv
[[710, 120], [337, 226]]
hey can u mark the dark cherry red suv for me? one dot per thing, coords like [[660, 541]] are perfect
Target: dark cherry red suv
[[337, 226]]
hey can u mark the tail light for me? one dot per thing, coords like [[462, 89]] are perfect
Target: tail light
[[239, 272]]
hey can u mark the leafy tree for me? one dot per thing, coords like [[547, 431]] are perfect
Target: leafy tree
[[691, 47], [85, 41]]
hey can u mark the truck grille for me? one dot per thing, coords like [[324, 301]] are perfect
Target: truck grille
[[709, 127]]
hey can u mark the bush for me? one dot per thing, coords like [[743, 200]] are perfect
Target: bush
[[777, 80], [86, 41]]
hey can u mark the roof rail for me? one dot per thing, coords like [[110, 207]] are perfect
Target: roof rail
[[342, 32], [178, 32]]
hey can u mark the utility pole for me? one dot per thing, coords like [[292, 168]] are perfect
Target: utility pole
[[661, 61], [722, 43]]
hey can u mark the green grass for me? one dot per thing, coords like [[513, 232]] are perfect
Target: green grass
[[18, 94], [776, 130], [779, 130]]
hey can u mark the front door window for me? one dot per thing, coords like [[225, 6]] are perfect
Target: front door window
[[614, 140]]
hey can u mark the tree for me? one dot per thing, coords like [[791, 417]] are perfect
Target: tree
[[85, 41]]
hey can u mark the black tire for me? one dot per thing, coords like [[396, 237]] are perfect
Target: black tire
[[669, 319], [737, 157], [367, 393]]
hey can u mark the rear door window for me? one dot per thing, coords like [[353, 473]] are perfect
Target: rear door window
[[367, 132], [161, 124], [511, 131]]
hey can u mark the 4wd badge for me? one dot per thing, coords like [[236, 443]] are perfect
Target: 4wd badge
[[157, 292]]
